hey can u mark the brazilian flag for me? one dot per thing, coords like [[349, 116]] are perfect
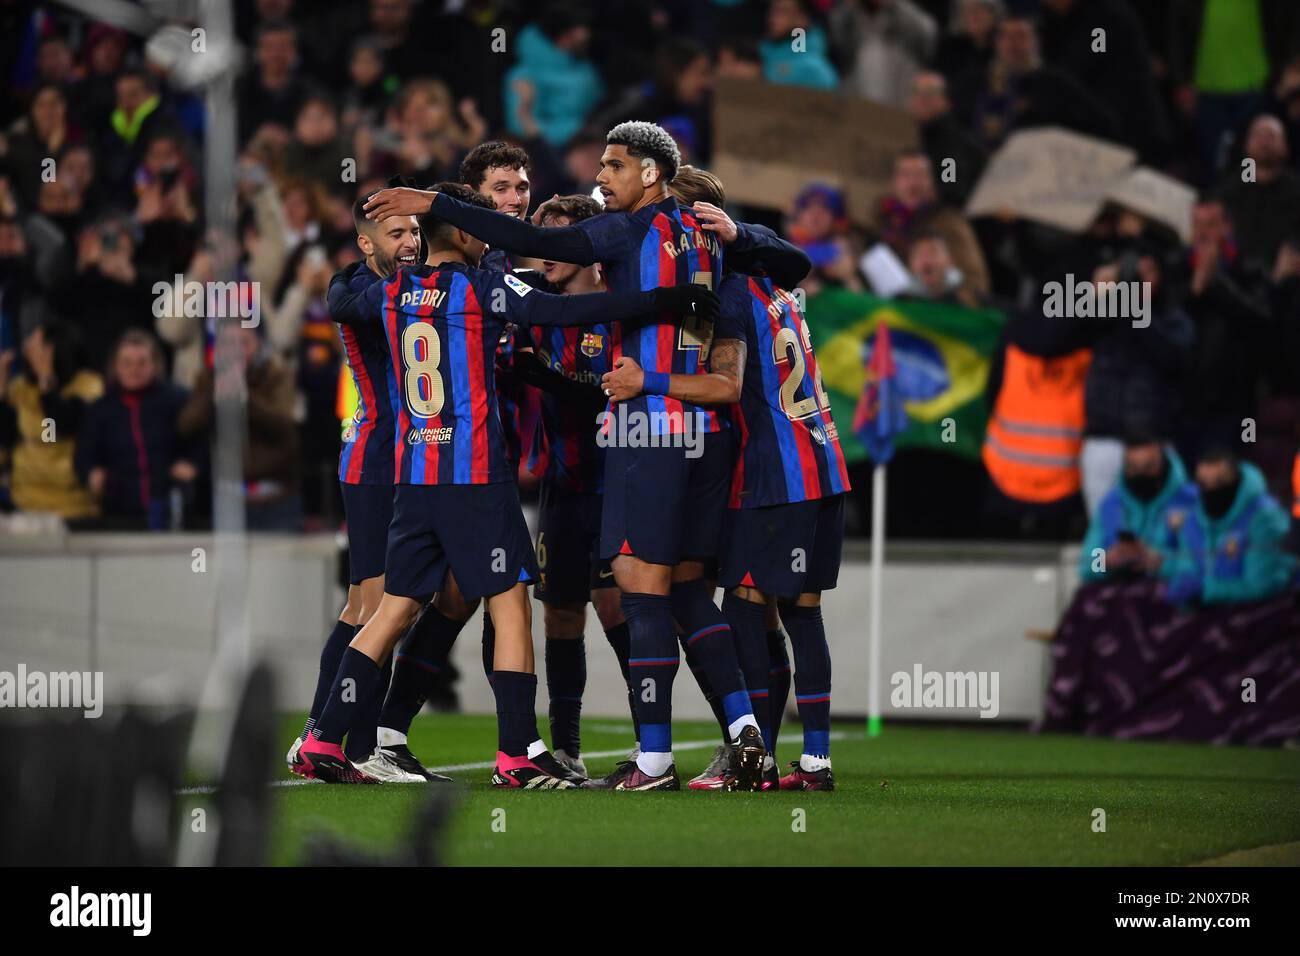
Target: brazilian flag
[[942, 353]]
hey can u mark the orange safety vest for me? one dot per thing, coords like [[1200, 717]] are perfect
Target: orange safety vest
[[1033, 439], [1295, 488]]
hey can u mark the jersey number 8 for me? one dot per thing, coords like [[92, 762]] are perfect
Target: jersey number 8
[[421, 354]]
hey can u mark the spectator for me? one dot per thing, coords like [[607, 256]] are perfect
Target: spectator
[[1240, 530], [135, 117], [944, 138], [106, 294], [367, 93], [43, 407], [1231, 321], [936, 278], [1139, 528], [553, 86], [304, 332], [965, 52], [679, 92], [1220, 55], [316, 153], [820, 227], [882, 45], [1119, 74], [128, 451], [425, 136], [104, 52], [1135, 377], [166, 209], [272, 93], [911, 206], [1265, 208], [1019, 92], [272, 499], [41, 135], [796, 59], [739, 59]]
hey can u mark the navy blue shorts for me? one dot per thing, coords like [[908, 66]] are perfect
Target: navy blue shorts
[[664, 507], [568, 545], [477, 531], [784, 550], [369, 511]]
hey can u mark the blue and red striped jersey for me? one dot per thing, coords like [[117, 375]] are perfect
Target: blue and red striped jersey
[[581, 354], [789, 445], [657, 246], [366, 457], [443, 327]]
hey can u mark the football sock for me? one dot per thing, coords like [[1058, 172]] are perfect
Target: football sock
[[709, 637], [330, 656], [748, 622], [416, 666], [653, 664], [363, 735], [619, 640], [566, 679], [812, 675], [489, 643], [356, 682], [516, 695], [702, 679], [778, 682]]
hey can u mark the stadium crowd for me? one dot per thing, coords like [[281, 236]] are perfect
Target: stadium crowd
[[1192, 85]]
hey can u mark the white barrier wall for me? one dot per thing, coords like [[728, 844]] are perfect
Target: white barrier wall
[[134, 607]]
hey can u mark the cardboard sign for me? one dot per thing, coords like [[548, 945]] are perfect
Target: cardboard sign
[[1158, 197], [1050, 175], [770, 141]]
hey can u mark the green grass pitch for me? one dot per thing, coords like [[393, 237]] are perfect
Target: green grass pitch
[[914, 796]]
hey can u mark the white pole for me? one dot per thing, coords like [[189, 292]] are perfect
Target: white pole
[[877, 564]]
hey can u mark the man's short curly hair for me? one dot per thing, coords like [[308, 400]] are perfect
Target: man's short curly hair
[[648, 140], [494, 154]]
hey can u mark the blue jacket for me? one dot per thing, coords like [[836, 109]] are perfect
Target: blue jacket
[[1240, 557], [811, 67], [566, 88], [1159, 523]]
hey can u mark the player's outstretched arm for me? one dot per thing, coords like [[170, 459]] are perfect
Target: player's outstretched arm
[[721, 385], [754, 249], [501, 231], [545, 309], [758, 249]]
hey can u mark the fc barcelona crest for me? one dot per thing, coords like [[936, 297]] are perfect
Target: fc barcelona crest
[[592, 344]]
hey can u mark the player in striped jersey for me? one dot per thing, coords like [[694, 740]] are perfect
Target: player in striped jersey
[[366, 483], [568, 531], [456, 505], [662, 509], [786, 505]]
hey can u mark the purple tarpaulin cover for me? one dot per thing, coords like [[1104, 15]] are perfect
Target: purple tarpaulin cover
[[1127, 664]]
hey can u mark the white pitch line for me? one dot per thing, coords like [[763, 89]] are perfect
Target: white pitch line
[[491, 764]]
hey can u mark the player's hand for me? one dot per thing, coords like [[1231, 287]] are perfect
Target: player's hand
[[624, 381], [95, 480], [183, 470], [713, 219], [688, 299], [402, 201]]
